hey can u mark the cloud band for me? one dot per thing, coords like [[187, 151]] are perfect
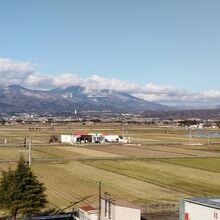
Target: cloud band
[[26, 74]]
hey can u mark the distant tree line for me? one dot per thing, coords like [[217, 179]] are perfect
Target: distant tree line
[[188, 122]]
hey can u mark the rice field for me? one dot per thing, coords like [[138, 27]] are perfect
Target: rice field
[[184, 179], [161, 165]]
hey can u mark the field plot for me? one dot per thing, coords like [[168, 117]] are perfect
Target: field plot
[[160, 165], [167, 135], [215, 148], [210, 164], [188, 151], [136, 152], [11, 153], [53, 152], [153, 151], [139, 181], [86, 152], [69, 182], [195, 182], [137, 133]]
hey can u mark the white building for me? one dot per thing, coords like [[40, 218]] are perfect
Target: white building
[[200, 209], [111, 138], [82, 137], [116, 138], [119, 210], [87, 213], [68, 139]]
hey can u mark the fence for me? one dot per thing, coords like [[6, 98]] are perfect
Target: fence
[[160, 208]]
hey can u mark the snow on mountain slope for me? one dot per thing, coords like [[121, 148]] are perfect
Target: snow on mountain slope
[[16, 98]]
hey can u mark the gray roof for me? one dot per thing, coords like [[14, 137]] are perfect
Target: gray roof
[[209, 202]]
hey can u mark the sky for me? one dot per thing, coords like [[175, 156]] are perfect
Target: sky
[[166, 51]]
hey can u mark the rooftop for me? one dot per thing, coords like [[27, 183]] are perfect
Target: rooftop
[[209, 202], [88, 208], [81, 133]]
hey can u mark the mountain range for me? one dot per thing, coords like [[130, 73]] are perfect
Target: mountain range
[[15, 98]]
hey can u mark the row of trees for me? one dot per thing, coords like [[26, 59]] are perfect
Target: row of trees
[[21, 193]]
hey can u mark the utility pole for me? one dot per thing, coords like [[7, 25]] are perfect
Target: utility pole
[[29, 152], [100, 194], [122, 129], [190, 135]]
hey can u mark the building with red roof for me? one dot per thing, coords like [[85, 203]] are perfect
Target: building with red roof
[[88, 212]]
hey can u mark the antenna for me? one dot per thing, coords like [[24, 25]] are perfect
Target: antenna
[[100, 194]]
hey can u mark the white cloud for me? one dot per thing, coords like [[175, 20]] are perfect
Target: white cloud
[[43, 81], [12, 72], [158, 89], [25, 74]]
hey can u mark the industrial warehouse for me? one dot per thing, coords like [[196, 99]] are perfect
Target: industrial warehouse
[[200, 209], [83, 137]]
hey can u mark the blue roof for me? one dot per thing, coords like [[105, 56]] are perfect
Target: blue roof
[[209, 202]]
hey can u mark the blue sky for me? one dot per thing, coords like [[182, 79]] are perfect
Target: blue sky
[[162, 42]]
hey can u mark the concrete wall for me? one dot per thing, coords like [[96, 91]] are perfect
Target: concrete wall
[[119, 212], [87, 216], [123, 213], [68, 139], [105, 211]]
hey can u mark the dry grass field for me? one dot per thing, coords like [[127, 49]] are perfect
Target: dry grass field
[[178, 178], [161, 165]]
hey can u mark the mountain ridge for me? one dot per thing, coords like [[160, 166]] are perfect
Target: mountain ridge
[[15, 98]]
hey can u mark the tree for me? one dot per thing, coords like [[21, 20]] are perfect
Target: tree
[[7, 190], [54, 139], [21, 192]]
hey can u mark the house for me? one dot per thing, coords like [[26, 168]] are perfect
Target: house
[[110, 210], [200, 209], [119, 210], [87, 213]]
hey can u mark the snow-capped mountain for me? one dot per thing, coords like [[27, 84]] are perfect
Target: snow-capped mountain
[[14, 98]]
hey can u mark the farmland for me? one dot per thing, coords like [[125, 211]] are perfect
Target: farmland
[[161, 165]]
